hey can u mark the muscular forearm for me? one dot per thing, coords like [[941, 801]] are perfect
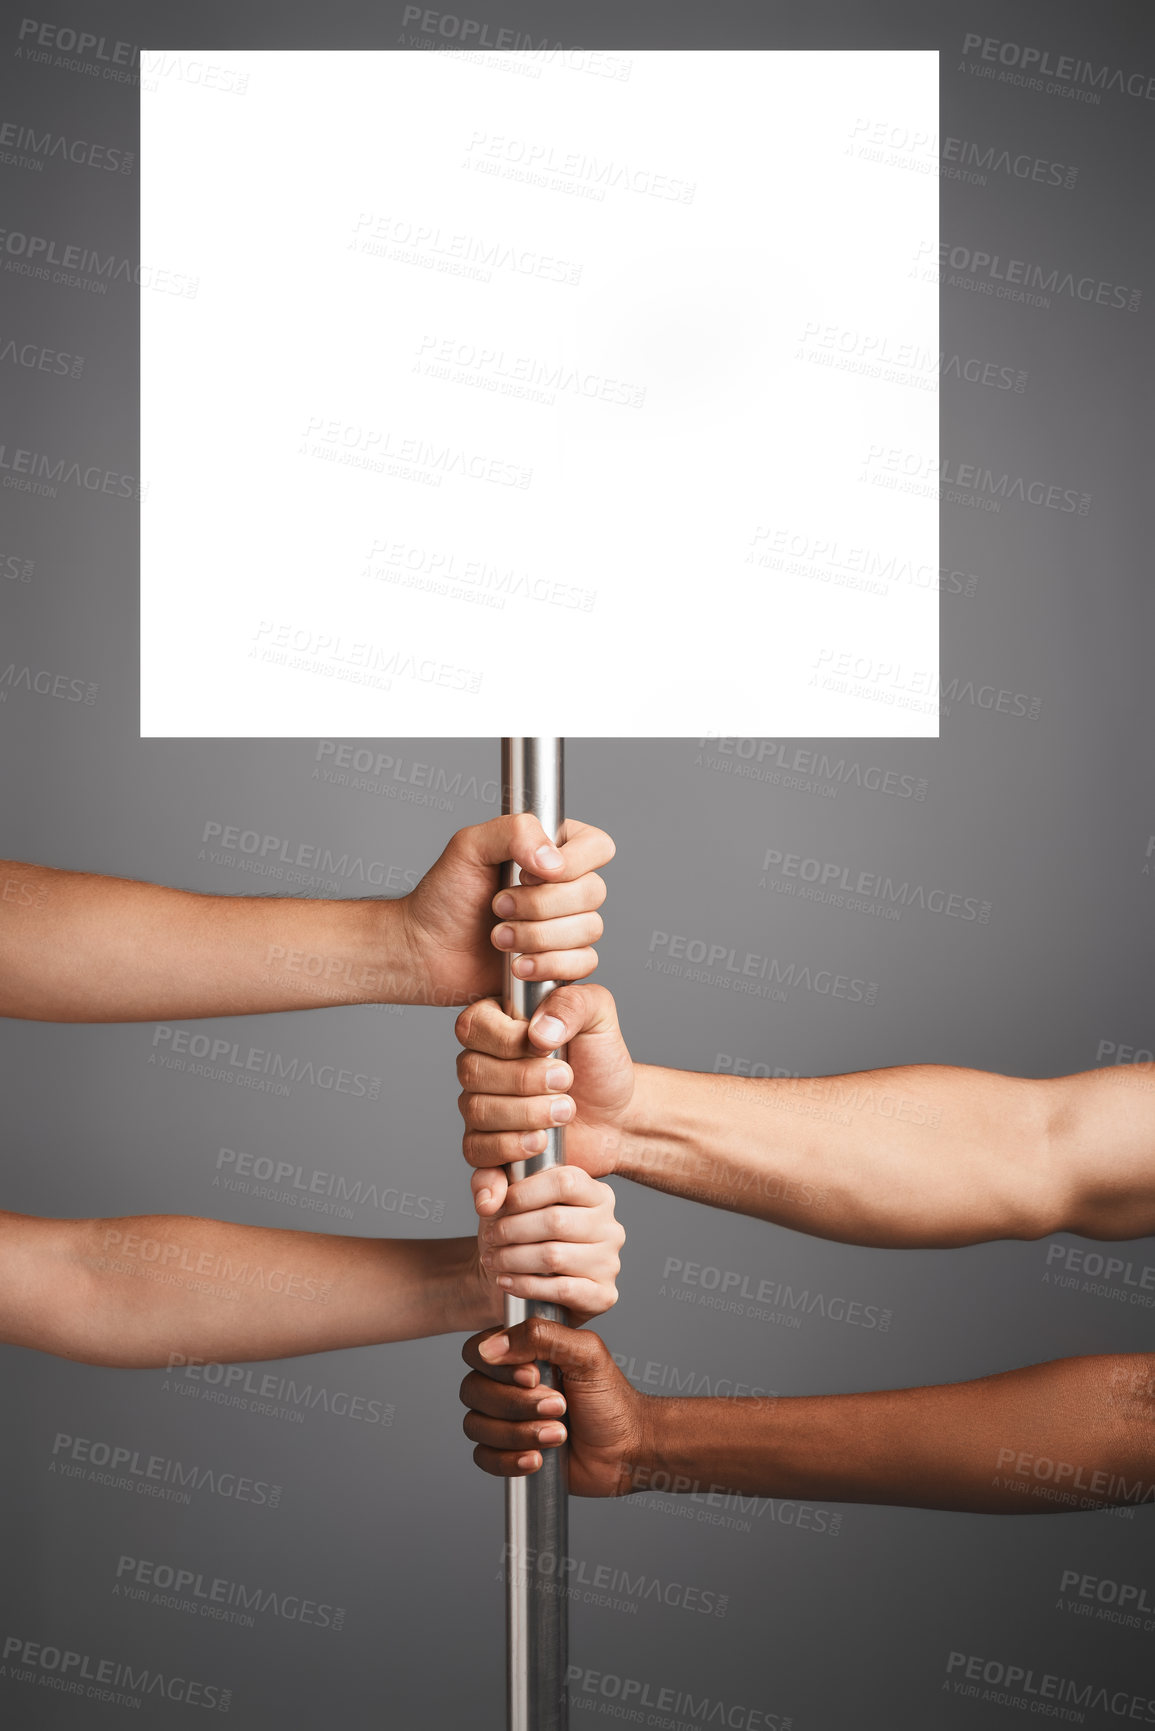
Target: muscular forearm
[[1072, 1434], [75, 947], [139, 1291], [923, 1155]]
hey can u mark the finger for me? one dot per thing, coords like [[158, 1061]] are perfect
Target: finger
[[490, 1186], [535, 937], [572, 1292], [485, 1027], [537, 1252], [496, 1433], [526, 1376], [584, 848], [480, 1074], [572, 1349], [507, 1466], [489, 1148], [533, 901], [508, 1112], [568, 1012], [519, 836], [553, 1256], [557, 1184], [486, 1393], [556, 965]]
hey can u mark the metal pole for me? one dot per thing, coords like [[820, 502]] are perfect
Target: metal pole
[[536, 1511]]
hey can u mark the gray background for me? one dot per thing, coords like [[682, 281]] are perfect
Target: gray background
[[1047, 819]]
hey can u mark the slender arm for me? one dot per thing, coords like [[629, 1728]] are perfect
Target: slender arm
[[1076, 1433], [140, 1291], [922, 1155], [76, 947]]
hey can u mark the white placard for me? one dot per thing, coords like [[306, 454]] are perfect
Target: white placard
[[500, 394]]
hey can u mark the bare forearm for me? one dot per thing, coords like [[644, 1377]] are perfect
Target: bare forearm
[[1072, 1434], [75, 947], [924, 1155], [138, 1291]]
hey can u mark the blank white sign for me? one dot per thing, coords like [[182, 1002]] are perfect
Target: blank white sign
[[504, 393]]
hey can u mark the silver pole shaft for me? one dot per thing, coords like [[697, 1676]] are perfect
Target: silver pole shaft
[[536, 1510]]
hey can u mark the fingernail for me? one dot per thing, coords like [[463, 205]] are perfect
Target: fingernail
[[495, 1347], [534, 1141], [552, 1406], [527, 1462], [503, 937], [504, 1281], [557, 1076], [547, 858], [551, 1433], [549, 1028], [484, 1196], [523, 967], [504, 905], [561, 1111]]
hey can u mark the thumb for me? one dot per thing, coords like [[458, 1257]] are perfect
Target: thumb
[[489, 1185], [519, 837], [572, 1010]]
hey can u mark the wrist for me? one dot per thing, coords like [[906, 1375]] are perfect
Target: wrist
[[656, 1141], [481, 1304]]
